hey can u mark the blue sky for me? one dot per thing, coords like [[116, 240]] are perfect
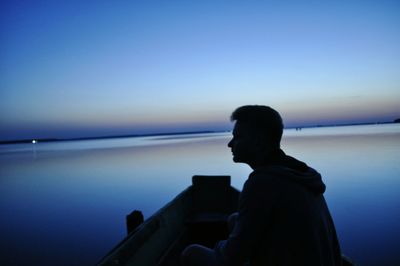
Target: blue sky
[[94, 68]]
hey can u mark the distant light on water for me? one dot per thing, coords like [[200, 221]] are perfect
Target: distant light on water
[[34, 141]]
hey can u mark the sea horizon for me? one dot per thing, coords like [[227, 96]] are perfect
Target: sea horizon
[[53, 139]]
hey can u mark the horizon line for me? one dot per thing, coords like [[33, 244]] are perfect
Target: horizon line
[[36, 140]]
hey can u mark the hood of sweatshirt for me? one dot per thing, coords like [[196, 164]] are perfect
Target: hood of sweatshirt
[[286, 166]]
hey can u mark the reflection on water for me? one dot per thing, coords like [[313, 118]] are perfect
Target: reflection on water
[[67, 201]]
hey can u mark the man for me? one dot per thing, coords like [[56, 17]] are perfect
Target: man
[[283, 218]]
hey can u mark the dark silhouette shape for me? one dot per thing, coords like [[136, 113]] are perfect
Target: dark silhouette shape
[[283, 218], [397, 120], [133, 220]]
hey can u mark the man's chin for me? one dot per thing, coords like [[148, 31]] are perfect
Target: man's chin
[[236, 159]]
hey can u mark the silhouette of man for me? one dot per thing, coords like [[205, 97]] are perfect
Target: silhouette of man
[[283, 218]]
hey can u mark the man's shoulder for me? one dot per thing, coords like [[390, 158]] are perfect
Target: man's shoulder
[[281, 177], [272, 175], [263, 183]]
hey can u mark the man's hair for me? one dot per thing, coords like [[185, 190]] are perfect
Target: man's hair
[[264, 119]]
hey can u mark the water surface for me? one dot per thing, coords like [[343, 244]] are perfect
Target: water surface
[[64, 203]]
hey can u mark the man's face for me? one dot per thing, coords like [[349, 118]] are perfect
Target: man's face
[[244, 144]]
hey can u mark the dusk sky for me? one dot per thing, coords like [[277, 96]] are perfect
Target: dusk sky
[[95, 68]]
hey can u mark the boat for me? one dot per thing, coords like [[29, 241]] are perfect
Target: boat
[[197, 215]]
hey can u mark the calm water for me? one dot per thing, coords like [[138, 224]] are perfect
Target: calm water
[[65, 203]]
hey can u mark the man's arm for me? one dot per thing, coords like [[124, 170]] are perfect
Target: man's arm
[[255, 206]]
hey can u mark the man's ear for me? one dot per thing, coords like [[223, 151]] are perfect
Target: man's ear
[[260, 141], [262, 144]]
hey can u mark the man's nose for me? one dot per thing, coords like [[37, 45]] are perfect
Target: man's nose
[[230, 144]]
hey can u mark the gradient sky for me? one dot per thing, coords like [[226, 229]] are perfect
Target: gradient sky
[[94, 68]]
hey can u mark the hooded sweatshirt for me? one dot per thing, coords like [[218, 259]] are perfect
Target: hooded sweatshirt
[[283, 218]]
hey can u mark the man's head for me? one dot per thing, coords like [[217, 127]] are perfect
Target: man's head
[[258, 130]]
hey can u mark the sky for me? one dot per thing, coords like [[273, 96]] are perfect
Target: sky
[[97, 68]]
